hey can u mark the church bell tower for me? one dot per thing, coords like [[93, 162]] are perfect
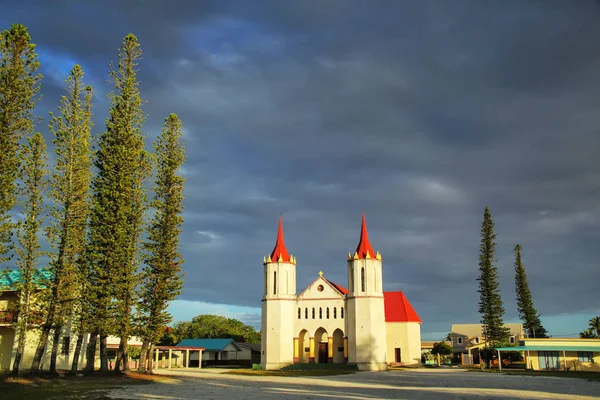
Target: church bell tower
[[278, 303], [365, 322]]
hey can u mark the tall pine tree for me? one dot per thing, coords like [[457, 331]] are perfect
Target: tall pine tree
[[490, 301], [162, 278], [19, 92], [29, 249], [69, 194], [117, 206], [527, 312]]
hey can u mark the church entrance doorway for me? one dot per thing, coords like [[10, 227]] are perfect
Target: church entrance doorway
[[323, 350]]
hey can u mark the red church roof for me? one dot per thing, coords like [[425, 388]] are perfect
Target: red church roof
[[363, 245], [280, 249], [398, 308], [339, 288]]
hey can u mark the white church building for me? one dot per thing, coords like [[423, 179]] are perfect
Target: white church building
[[327, 323]]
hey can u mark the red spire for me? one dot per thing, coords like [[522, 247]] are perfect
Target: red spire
[[363, 244], [280, 249]]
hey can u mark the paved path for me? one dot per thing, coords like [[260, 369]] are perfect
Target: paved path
[[413, 384]]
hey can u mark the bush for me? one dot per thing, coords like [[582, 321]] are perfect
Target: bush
[[257, 367]]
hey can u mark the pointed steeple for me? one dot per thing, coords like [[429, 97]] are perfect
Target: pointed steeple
[[280, 253], [364, 249]]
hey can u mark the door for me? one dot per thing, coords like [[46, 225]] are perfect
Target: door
[[398, 355], [548, 360], [323, 347]]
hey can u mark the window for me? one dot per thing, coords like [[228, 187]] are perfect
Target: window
[[511, 340], [342, 312], [274, 282], [334, 312], [585, 356], [459, 340], [327, 313], [351, 279], [476, 340], [299, 313], [313, 313], [306, 313], [362, 279], [320, 313], [66, 345]]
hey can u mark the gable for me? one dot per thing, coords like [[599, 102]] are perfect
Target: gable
[[328, 291], [398, 308]]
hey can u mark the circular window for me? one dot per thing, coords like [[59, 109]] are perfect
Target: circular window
[[320, 288]]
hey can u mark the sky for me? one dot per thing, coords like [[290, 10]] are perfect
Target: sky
[[420, 113]]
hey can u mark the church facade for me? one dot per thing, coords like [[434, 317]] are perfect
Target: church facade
[[329, 323]]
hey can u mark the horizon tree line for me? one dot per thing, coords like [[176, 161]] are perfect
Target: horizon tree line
[[114, 262]]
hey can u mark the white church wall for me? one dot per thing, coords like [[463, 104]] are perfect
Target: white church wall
[[407, 337]]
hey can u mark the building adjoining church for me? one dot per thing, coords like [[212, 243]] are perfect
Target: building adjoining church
[[328, 323]]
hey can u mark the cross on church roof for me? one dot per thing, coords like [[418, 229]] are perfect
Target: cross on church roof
[[321, 274]]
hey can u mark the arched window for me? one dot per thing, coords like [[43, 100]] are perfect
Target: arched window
[[362, 279], [351, 279], [374, 279], [334, 312], [306, 313], [313, 313], [275, 282], [320, 313], [342, 312], [327, 313], [299, 313]]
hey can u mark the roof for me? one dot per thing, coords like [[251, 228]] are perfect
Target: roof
[[251, 346], [280, 253], [364, 247], [208, 344], [398, 308], [551, 347], [9, 279], [339, 288]]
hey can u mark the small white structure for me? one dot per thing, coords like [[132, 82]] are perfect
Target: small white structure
[[327, 323]]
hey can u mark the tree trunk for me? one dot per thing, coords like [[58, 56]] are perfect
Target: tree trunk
[[91, 353], [124, 355], [103, 354], [144, 357], [76, 353], [150, 348], [119, 357], [39, 352], [22, 332], [55, 344]]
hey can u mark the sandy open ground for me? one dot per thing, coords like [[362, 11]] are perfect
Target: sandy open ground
[[413, 384]]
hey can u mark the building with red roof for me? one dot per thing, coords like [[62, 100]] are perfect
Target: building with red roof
[[328, 323]]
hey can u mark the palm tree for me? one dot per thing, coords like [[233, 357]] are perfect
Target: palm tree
[[595, 326], [587, 334]]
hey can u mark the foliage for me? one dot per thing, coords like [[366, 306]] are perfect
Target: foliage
[[69, 192], [442, 348], [19, 92], [168, 337], [490, 301], [118, 204], [29, 249], [134, 351], [527, 312], [214, 327], [593, 332], [162, 278]]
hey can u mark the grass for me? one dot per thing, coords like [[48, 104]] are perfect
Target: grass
[[68, 387]]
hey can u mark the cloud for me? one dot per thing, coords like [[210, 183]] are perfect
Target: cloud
[[420, 113]]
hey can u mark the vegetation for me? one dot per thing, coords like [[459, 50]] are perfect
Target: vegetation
[[593, 332], [527, 312], [215, 326], [442, 348], [29, 249], [491, 307], [19, 92], [161, 279]]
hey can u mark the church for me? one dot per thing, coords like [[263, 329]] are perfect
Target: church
[[328, 323]]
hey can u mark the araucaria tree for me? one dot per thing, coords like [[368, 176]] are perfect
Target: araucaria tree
[[161, 277], [118, 203], [490, 301], [19, 92], [29, 249], [69, 194], [527, 312]]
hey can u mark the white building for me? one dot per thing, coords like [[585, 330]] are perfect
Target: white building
[[325, 323]]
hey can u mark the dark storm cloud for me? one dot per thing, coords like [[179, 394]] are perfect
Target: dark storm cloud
[[421, 113]]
